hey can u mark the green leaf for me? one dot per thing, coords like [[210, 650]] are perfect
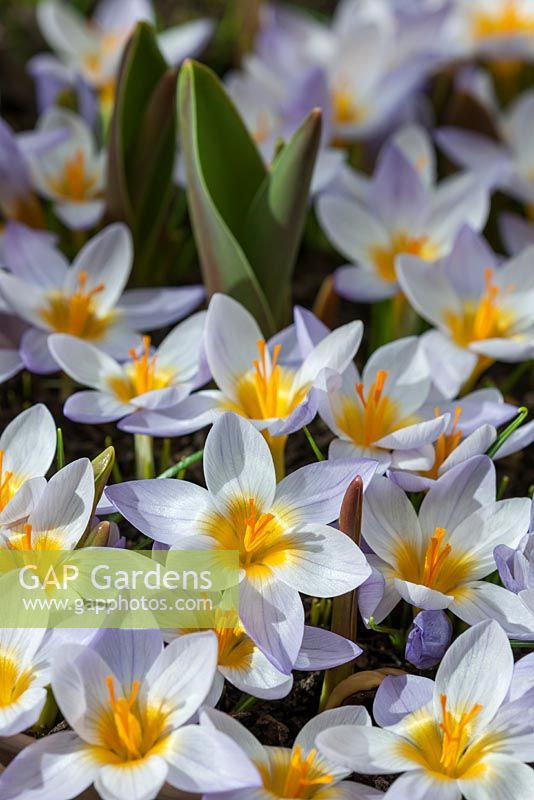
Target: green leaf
[[273, 228], [224, 174], [142, 145], [102, 468]]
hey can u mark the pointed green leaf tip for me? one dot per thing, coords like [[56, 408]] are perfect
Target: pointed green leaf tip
[[247, 219]]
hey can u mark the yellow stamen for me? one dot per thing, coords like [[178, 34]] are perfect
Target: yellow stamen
[[456, 731], [127, 725], [77, 313], [267, 381], [509, 20], [445, 444], [301, 775], [435, 556], [486, 319], [384, 258], [141, 375], [75, 184], [7, 487], [257, 528]]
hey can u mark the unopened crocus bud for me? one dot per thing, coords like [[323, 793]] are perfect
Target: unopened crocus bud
[[516, 567], [428, 639]]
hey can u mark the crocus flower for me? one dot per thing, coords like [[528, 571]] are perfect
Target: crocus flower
[[72, 175], [437, 559], [465, 735], [149, 379], [507, 164], [27, 448], [428, 639], [24, 674], [514, 564], [284, 543], [400, 211], [93, 48], [300, 771], [482, 314], [471, 430], [129, 702], [517, 233], [59, 513], [377, 415], [253, 381], [243, 664], [369, 68], [85, 300], [11, 331]]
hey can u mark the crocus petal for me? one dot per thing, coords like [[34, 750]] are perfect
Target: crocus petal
[[10, 364], [389, 519], [361, 285], [333, 718], [314, 493], [32, 258], [238, 463], [24, 298], [65, 506], [398, 194], [138, 780], [475, 152], [129, 653], [193, 414], [369, 751], [59, 766], [211, 718], [458, 494], [519, 440], [259, 678], [335, 352], [419, 785], [351, 228], [415, 436], [84, 362], [95, 408], [29, 443], [185, 41], [428, 290], [273, 616], [20, 714], [181, 348], [80, 216], [182, 674], [399, 695], [421, 596], [517, 233], [323, 649], [205, 760], [231, 338], [477, 443], [150, 309], [36, 354], [65, 29], [21, 504], [503, 778], [162, 509], [107, 260], [322, 561], [484, 600], [451, 366], [476, 669]]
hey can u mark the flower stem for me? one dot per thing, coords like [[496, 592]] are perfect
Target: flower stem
[[144, 456], [313, 444], [60, 451], [182, 465], [522, 414]]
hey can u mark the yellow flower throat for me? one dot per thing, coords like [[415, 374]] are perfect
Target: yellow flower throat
[[77, 313]]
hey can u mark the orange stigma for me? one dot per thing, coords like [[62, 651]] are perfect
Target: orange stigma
[[267, 380], [455, 735], [127, 726], [75, 184], [256, 531], [301, 775], [435, 556], [6, 484], [144, 368]]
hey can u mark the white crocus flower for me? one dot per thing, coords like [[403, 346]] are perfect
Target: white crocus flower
[[87, 299], [27, 447], [378, 414], [73, 174], [58, 516], [438, 558], [253, 379], [482, 314], [467, 734], [129, 702], [299, 772], [493, 29], [157, 379], [285, 544], [400, 211]]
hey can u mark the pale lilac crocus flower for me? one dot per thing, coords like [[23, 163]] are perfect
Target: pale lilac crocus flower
[[481, 314], [87, 299], [437, 559], [400, 211], [149, 379], [130, 703], [467, 734], [377, 415], [281, 531], [297, 772]]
